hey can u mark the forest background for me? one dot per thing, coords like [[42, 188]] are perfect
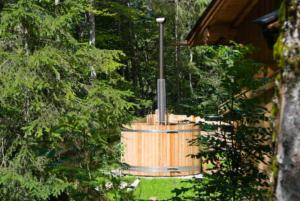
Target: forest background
[[73, 72]]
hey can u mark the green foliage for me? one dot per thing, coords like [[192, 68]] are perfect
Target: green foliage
[[237, 155], [279, 46], [213, 71], [131, 29], [181, 17], [237, 146], [19, 180], [134, 30], [59, 126]]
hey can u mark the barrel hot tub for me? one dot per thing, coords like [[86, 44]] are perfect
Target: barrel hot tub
[[160, 150]]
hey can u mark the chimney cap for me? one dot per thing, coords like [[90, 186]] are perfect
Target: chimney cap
[[160, 19]]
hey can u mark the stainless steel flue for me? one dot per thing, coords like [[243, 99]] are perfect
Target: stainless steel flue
[[161, 83]]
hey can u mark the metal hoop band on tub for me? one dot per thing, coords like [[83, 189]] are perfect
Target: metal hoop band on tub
[[160, 131], [167, 169]]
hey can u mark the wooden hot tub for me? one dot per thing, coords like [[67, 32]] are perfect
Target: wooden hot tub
[[160, 150]]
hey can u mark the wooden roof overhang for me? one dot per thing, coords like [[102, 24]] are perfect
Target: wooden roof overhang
[[219, 21]]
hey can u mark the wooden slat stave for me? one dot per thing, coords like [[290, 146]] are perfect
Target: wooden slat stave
[[160, 149]]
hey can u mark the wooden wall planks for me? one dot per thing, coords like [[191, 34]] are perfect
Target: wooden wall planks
[[161, 153]]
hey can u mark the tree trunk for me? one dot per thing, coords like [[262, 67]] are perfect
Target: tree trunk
[[177, 52], [1, 5], [190, 74], [132, 43], [92, 41], [288, 183], [92, 26]]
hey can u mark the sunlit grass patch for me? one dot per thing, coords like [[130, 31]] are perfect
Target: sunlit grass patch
[[161, 188]]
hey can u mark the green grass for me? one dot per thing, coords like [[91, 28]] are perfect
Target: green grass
[[162, 189]]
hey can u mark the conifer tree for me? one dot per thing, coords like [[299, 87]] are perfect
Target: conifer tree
[[57, 126]]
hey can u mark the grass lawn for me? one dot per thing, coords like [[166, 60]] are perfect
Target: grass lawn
[[162, 188]]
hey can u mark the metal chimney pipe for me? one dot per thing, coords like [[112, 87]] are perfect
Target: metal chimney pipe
[[161, 83]]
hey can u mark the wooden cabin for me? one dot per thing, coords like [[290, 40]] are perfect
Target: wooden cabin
[[249, 22], [239, 21]]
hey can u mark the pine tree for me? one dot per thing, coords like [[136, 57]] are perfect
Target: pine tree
[[58, 126]]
